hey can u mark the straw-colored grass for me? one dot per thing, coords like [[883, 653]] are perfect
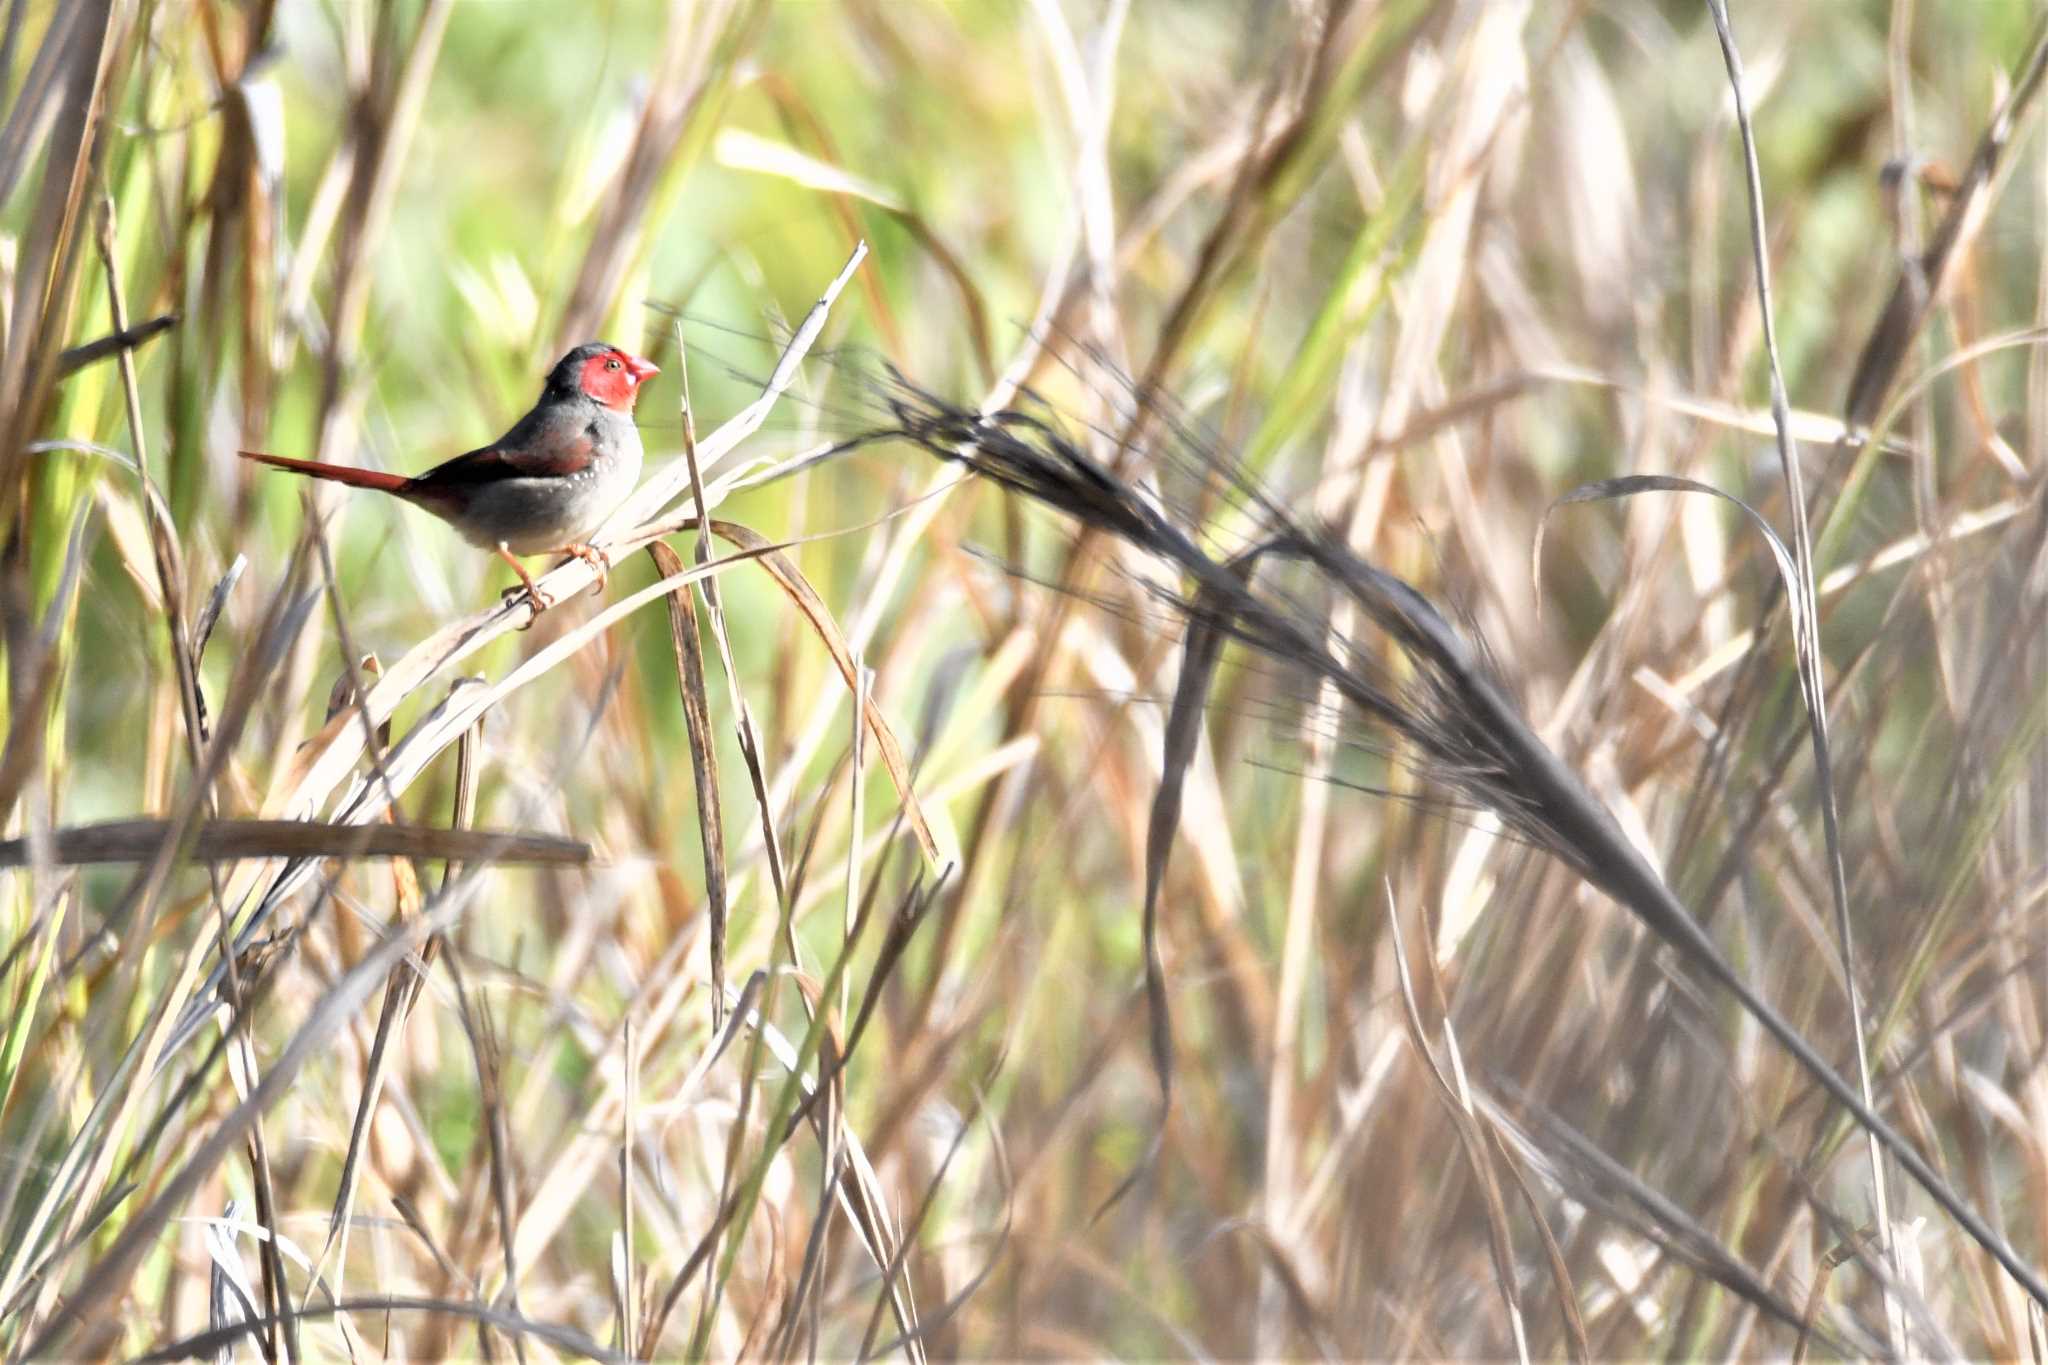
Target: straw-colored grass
[[1155, 879]]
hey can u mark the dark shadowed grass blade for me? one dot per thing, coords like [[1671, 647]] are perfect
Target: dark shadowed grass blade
[[130, 841], [1919, 289], [61, 112], [127, 339], [38, 658], [689, 655], [568, 1340], [1207, 631]]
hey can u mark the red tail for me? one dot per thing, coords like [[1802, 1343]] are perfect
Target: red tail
[[339, 473]]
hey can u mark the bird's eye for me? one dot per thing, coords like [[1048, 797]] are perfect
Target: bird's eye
[[612, 364]]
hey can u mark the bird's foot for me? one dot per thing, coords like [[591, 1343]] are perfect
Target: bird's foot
[[600, 563], [532, 593], [541, 601]]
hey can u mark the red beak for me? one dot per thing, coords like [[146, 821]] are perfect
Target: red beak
[[641, 370]]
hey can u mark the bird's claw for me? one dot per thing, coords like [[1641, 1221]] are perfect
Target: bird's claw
[[530, 591], [600, 563]]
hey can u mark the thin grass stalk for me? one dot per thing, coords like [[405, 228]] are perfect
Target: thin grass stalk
[[628, 1306], [401, 993], [739, 1199], [1806, 625], [696, 715], [481, 1029], [511, 1324], [373, 189], [1455, 1094], [1604, 1184], [912, 1338]]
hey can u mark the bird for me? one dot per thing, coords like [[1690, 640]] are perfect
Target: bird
[[547, 483]]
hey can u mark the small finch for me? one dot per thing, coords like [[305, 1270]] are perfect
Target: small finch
[[543, 486]]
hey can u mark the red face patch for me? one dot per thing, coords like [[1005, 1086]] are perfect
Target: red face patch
[[613, 378]]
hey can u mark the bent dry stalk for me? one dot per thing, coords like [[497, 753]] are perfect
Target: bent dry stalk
[[1461, 721]]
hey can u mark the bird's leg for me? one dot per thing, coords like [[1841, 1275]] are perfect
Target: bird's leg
[[600, 563], [540, 601]]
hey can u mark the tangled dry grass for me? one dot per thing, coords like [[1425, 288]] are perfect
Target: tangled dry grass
[[1262, 905]]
